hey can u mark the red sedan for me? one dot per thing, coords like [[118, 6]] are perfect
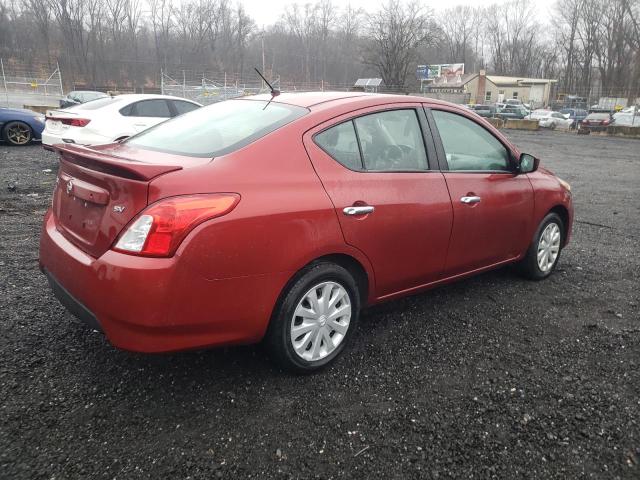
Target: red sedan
[[279, 219]]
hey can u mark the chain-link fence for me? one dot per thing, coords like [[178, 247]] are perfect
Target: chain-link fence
[[211, 87], [25, 85], [208, 87]]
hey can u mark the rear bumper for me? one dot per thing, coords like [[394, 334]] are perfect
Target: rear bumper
[[71, 303], [76, 135], [156, 305], [594, 128]]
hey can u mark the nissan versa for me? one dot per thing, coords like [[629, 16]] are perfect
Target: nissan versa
[[277, 219]]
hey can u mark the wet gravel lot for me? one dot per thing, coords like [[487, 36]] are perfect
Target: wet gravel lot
[[493, 377]]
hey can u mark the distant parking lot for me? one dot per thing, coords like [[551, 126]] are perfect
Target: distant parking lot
[[493, 377]]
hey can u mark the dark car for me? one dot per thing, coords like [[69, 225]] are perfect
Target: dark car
[[575, 114], [19, 126], [486, 111], [277, 219], [595, 122], [78, 97], [512, 112]]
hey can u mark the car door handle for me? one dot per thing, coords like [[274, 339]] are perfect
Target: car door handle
[[358, 210], [470, 200]]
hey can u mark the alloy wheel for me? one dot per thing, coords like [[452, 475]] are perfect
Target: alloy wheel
[[18, 134], [549, 247], [320, 321]]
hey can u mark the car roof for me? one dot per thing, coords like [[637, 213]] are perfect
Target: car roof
[[310, 100], [134, 97]]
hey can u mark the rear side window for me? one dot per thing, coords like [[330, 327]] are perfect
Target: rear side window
[[389, 141], [217, 129], [468, 146], [152, 108], [342, 144], [392, 140], [184, 107]]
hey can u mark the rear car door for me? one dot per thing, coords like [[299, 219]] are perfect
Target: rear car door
[[492, 204], [380, 171], [147, 113]]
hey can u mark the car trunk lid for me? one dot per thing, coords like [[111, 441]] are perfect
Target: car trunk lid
[[98, 192]]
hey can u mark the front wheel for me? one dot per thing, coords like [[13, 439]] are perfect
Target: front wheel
[[315, 319], [17, 133], [544, 252]]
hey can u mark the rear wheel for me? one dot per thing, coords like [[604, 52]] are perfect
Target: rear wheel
[[17, 133], [315, 318], [544, 252]]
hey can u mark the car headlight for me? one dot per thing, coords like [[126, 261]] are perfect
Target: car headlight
[[565, 184]]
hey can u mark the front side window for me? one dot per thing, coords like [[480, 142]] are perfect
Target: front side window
[[468, 146], [391, 140], [217, 129]]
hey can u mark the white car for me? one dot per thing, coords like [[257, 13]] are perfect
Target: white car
[[110, 119], [550, 119]]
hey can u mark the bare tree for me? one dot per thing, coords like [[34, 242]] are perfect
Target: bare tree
[[458, 26], [394, 34]]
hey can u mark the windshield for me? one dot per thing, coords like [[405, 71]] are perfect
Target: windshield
[[217, 129]]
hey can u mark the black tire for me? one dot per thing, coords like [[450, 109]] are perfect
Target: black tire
[[553, 126], [529, 266], [278, 338], [17, 133]]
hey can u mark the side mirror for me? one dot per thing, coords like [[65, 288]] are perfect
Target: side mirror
[[527, 163]]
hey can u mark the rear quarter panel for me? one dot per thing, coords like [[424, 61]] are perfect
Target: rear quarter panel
[[283, 221]]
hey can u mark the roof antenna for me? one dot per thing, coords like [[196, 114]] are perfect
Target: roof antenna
[[274, 92]]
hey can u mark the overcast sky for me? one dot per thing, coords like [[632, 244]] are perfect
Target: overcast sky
[[267, 12]]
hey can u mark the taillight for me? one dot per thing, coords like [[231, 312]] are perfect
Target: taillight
[[161, 227], [74, 122]]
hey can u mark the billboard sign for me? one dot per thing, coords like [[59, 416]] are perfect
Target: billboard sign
[[430, 72], [452, 70]]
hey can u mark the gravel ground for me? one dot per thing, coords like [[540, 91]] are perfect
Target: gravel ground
[[493, 377]]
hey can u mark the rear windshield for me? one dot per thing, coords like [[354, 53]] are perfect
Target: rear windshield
[[96, 104], [599, 116], [217, 129]]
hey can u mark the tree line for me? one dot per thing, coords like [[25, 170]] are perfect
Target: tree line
[[127, 42]]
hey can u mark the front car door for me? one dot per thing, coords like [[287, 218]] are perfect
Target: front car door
[[492, 204], [380, 171]]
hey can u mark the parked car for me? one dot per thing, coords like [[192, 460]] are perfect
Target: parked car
[[595, 122], [577, 115], [512, 111], [538, 114], [627, 119], [486, 111], [19, 126], [552, 120], [106, 120], [78, 97], [279, 218]]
